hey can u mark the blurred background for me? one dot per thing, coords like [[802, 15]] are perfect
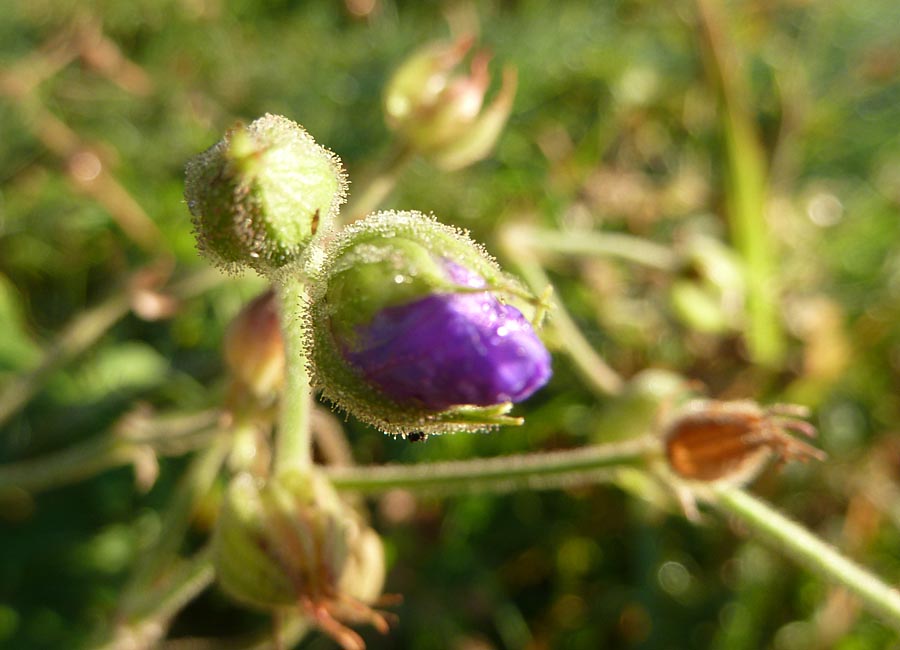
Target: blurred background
[[756, 143]]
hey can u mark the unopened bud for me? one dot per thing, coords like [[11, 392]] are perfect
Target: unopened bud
[[709, 440], [261, 193], [411, 331], [292, 541], [254, 348], [439, 113]]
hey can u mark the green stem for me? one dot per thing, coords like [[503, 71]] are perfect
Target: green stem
[[85, 459], [379, 187], [542, 470], [595, 371], [809, 551], [70, 465], [293, 443], [193, 485], [601, 244], [145, 628]]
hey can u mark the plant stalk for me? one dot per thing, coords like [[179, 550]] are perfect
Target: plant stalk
[[160, 436], [145, 628], [593, 244], [293, 442], [593, 368], [809, 551], [541, 470]]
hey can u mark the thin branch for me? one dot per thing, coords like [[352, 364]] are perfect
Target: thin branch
[[595, 244], [193, 485], [131, 438], [595, 371], [144, 629], [809, 551], [541, 470]]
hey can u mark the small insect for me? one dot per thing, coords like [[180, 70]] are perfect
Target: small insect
[[417, 436], [712, 440]]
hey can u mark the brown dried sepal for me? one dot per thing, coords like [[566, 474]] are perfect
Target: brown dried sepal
[[711, 440]]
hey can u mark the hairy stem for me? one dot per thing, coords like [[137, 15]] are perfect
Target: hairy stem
[[523, 471], [293, 443], [809, 551]]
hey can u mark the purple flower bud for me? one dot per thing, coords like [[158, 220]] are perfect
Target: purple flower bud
[[411, 329], [452, 348]]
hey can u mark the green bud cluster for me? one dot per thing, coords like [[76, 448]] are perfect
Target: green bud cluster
[[260, 194]]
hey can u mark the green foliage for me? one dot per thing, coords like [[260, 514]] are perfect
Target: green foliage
[[615, 128]]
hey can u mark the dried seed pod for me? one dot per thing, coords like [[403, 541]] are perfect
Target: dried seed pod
[[292, 542], [711, 440], [410, 331], [260, 194]]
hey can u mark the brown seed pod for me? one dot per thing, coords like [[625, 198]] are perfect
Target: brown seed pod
[[710, 440]]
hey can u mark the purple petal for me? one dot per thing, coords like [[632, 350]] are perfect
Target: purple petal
[[451, 349]]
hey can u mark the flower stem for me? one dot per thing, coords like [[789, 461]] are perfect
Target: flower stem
[[145, 628], [540, 470], [194, 484], [293, 443], [809, 551], [598, 374], [599, 244], [164, 435]]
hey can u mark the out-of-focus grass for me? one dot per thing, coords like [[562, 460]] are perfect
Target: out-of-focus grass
[[615, 128]]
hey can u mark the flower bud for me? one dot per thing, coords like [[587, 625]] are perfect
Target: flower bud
[[261, 193], [254, 349], [292, 542], [410, 331], [709, 440], [439, 113]]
